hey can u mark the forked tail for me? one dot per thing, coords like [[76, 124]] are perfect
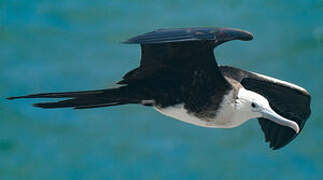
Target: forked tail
[[85, 99]]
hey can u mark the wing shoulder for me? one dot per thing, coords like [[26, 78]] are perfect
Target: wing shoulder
[[239, 75]]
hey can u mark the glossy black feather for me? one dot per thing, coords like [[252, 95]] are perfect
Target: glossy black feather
[[87, 99], [190, 34], [60, 95]]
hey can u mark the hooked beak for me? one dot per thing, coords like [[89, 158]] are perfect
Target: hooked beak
[[270, 114]]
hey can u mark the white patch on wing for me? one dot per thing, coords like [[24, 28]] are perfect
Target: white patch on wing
[[278, 81]]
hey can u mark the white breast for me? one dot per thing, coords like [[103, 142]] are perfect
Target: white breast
[[179, 112], [225, 116]]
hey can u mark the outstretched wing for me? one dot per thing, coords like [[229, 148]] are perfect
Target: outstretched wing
[[179, 65], [287, 99], [165, 45], [191, 34], [182, 49]]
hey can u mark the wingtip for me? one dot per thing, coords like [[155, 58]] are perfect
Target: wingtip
[[133, 40], [127, 42], [239, 34], [274, 148], [277, 146], [248, 35]]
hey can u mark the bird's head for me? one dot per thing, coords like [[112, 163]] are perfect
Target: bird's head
[[253, 105]]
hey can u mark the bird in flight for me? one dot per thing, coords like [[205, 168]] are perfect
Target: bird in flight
[[179, 77]]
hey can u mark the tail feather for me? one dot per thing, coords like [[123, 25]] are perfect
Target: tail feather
[[84, 99], [60, 95], [100, 105]]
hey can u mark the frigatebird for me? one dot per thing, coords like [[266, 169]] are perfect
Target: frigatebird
[[179, 77]]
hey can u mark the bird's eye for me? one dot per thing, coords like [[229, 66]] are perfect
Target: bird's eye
[[253, 105]]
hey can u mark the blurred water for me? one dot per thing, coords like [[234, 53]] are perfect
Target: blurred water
[[74, 45]]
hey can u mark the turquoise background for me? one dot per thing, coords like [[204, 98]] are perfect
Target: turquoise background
[[69, 45]]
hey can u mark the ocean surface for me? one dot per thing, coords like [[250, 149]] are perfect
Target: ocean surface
[[70, 45]]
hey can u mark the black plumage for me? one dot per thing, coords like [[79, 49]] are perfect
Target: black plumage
[[178, 66]]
